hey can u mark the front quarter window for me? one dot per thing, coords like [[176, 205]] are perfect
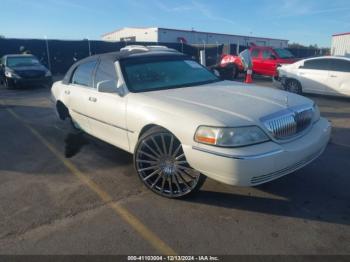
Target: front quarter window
[[158, 73]]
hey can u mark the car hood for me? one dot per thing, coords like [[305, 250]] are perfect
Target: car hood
[[224, 102]]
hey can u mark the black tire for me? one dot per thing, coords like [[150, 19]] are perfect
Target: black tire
[[230, 73], [63, 114], [8, 84], [294, 86], [161, 165]]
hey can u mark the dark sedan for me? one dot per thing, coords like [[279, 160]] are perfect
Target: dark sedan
[[23, 70]]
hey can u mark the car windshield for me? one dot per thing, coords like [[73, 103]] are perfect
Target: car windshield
[[159, 73], [17, 61], [284, 53]]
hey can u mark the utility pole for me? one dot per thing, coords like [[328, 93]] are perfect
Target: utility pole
[[89, 46], [48, 53]]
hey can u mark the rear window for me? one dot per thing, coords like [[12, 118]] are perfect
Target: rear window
[[339, 65]]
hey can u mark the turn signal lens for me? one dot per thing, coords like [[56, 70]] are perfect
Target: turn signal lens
[[230, 136], [206, 135]]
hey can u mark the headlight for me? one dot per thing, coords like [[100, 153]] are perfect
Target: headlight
[[48, 73], [230, 136], [11, 74], [316, 115]]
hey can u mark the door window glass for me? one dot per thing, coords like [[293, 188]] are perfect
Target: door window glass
[[83, 75], [255, 53], [106, 72], [316, 64], [339, 65], [266, 54]]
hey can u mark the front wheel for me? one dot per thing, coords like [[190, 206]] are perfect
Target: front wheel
[[230, 72], [8, 83], [293, 86], [162, 166]]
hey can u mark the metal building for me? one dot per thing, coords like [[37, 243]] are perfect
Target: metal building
[[166, 35], [341, 44]]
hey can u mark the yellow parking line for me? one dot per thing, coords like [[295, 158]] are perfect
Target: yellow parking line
[[129, 218]]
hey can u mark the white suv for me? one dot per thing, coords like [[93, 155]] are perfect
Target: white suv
[[329, 75]]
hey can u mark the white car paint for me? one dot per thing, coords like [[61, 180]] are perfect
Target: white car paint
[[119, 118], [328, 82]]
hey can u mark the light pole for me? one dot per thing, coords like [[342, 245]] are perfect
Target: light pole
[[48, 53], [89, 46], [217, 49]]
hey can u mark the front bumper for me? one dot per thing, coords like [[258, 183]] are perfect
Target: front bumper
[[31, 81], [279, 82], [258, 164]]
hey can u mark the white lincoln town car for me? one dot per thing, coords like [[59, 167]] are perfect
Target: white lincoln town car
[[183, 124]]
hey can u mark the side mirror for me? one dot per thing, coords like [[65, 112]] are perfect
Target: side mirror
[[107, 86]]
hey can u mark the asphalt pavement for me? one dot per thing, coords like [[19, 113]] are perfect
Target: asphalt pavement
[[63, 192]]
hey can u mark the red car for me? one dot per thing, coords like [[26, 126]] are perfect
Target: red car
[[266, 59], [265, 62]]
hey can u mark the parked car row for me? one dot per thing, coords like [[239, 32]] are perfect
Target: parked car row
[[328, 75], [183, 123]]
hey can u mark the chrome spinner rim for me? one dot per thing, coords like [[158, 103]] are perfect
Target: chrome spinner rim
[[162, 166], [293, 87]]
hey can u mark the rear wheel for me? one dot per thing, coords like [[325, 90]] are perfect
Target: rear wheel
[[293, 86], [162, 166], [63, 114]]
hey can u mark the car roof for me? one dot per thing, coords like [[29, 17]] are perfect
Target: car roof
[[123, 54], [325, 57], [115, 56], [17, 55]]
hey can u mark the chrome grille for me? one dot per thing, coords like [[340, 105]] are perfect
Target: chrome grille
[[287, 123], [31, 74]]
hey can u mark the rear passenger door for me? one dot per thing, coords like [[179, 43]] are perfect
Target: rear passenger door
[[268, 62], [338, 82], [77, 94], [107, 111], [313, 75], [257, 61]]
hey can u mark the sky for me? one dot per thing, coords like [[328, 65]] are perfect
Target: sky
[[301, 21]]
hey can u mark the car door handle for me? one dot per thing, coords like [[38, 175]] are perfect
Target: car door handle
[[67, 92], [92, 99], [333, 76]]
